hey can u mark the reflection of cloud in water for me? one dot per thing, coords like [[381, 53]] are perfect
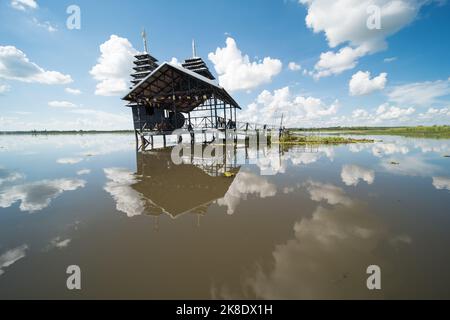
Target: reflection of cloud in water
[[304, 158], [358, 147], [96, 144], [83, 172], [381, 149], [436, 146], [409, 166], [127, 199], [9, 176], [441, 183], [307, 155], [69, 160], [351, 174], [327, 258], [59, 243], [328, 192], [400, 239], [12, 256], [36, 196], [244, 184], [270, 164]]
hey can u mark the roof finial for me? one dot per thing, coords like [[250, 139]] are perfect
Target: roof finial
[[194, 49], [144, 38]]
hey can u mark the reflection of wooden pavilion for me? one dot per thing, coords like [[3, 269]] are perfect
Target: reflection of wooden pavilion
[[176, 189], [169, 96]]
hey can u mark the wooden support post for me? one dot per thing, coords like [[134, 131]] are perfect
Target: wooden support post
[[225, 114], [257, 138], [137, 140], [211, 112], [215, 110]]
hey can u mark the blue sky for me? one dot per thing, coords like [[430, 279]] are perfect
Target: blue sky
[[315, 61]]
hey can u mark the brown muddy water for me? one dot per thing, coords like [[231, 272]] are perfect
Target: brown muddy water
[[298, 223]]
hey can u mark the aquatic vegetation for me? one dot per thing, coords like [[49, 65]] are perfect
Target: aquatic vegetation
[[417, 131], [293, 139]]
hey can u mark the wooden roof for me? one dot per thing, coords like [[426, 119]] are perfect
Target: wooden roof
[[170, 85]]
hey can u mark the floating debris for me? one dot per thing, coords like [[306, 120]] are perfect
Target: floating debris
[[229, 174]]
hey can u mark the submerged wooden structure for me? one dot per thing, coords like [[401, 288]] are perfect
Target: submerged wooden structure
[[159, 177]]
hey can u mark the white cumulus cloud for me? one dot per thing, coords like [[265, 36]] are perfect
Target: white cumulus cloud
[[420, 93], [61, 104], [114, 66], [387, 112], [45, 25], [362, 84], [344, 22], [4, 88], [237, 72], [75, 92], [24, 4], [15, 65], [332, 63], [269, 106], [293, 66]]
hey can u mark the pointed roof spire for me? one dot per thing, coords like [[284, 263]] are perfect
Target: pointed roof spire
[[144, 38], [194, 49]]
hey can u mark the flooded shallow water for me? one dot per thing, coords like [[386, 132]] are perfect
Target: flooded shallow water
[[291, 224]]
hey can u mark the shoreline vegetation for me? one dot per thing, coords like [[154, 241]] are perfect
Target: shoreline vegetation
[[54, 132], [295, 139], [311, 135], [439, 132]]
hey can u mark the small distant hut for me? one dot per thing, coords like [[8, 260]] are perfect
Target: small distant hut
[[168, 96]]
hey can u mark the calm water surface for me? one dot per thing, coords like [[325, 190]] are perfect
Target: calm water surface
[[291, 224]]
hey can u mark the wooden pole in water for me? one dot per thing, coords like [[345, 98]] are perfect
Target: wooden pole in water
[[215, 110]]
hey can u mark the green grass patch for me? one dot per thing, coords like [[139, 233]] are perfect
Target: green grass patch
[[292, 139], [439, 132]]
